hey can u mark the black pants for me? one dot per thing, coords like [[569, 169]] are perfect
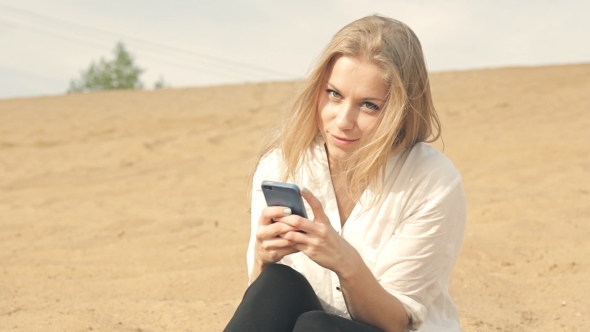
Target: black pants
[[281, 299]]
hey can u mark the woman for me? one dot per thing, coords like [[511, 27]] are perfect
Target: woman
[[386, 211]]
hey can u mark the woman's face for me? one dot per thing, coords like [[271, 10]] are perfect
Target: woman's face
[[349, 104]]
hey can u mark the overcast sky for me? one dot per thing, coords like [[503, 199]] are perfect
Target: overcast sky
[[46, 43]]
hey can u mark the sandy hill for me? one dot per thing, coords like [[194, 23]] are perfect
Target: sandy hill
[[127, 211]]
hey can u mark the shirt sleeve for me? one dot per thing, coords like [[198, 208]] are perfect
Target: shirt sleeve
[[416, 262], [266, 170]]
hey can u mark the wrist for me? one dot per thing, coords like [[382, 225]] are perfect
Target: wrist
[[262, 259], [351, 266], [259, 262], [259, 265]]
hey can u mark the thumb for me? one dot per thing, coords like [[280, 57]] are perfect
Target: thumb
[[316, 206]]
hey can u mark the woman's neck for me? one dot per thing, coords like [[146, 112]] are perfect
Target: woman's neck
[[336, 167], [344, 201]]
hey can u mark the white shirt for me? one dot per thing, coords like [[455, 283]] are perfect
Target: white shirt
[[410, 240]]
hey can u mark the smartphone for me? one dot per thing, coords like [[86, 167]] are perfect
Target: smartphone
[[284, 194]]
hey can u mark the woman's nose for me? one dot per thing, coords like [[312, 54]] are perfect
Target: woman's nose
[[346, 117]]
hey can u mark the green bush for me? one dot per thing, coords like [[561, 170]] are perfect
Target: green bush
[[119, 73]]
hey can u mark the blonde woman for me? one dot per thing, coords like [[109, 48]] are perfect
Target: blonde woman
[[386, 210]]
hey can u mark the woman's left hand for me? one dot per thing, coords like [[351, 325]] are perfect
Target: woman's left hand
[[367, 301], [320, 242]]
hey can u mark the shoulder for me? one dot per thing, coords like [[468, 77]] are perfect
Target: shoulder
[[269, 167], [273, 164], [426, 162], [271, 159], [422, 172], [426, 189]]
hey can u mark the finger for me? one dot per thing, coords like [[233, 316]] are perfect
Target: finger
[[276, 244], [275, 255], [280, 253], [316, 205], [273, 212], [297, 238], [298, 223], [299, 247], [265, 232], [279, 228]]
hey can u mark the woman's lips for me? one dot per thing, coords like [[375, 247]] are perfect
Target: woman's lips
[[342, 141]]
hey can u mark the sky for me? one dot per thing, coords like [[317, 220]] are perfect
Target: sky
[[44, 44]]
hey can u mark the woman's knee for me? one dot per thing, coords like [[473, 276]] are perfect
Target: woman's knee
[[321, 321], [281, 275], [310, 321], [281, 285]]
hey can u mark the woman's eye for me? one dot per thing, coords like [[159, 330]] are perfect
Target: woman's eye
[[370, 106], [333, 94]]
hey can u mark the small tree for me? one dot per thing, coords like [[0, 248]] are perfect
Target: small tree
[[119, 73]]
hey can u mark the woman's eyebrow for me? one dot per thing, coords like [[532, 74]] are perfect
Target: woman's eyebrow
[[331, 86], [375, 99]]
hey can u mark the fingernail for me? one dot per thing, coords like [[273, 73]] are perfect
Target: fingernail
[[287, 211], [304, 190]]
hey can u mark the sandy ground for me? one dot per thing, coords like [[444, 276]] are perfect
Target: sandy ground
[[127, 211]]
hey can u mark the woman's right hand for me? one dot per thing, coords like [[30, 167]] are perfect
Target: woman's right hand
[[270, 247]]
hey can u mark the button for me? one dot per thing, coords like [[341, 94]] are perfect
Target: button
[[337, 288]]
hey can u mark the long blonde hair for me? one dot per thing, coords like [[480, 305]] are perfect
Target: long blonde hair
[[408, 116]]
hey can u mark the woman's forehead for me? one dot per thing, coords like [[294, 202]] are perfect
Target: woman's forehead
[[359, 75]]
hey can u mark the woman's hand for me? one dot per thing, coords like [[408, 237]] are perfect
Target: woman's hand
[[320, 242], [270, 247], [367, 301]]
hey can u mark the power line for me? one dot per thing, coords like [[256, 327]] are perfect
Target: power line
[[77, 40], [218, 61], [211, 70]]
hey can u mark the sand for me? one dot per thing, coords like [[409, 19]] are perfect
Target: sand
[[127, 210]]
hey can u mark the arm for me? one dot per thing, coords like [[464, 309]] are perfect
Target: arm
[[265, 246], [366, 299], [269, 247], [409, 272]]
